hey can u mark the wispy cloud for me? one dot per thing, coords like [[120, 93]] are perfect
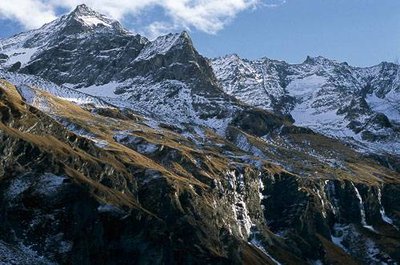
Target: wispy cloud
[[273, 3], [209, 16], [30, 13]]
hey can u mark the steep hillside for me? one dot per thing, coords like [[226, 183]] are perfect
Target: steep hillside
[[119, 150], [237, 194]]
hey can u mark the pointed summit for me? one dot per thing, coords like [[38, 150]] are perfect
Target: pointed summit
[[185, 35], [166, 43], [90, 19], [82, 9], [185, 38], [85, 11], [318, 60]]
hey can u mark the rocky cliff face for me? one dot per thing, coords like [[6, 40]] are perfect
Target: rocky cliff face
[[355, 104], [119, 150], [85, 50]]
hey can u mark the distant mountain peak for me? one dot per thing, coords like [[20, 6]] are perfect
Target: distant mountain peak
[[85, 11], [318, 60], [232, 58], [91, 19], [82, 9], [164, 44], [184, 34]]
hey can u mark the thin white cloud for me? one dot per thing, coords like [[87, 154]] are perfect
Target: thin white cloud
[[209, 16], [158, 28], [273, 3]]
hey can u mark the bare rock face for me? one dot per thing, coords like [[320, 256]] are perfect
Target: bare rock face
[[119, 150], [350, 103], [85, 49]]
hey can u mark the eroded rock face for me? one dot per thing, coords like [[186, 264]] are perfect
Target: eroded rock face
[[333, 98], [164, 167], [81, 219]]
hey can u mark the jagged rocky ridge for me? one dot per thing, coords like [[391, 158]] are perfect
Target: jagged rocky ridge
[[165, 77], [109, 179], [358, 105]]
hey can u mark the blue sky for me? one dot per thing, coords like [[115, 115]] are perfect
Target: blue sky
[[361, 32]]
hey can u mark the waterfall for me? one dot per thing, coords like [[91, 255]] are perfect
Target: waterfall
[[239, 207], [361, 205], [385, 218], [331, 196], [382, 210], [362, 209], [322, 203]]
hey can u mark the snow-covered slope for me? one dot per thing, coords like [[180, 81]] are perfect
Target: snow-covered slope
[[84, 50], [167, 78], [193, 167], [360, 104], [244, 79], [25, 83], [162, 45], [25, 46]]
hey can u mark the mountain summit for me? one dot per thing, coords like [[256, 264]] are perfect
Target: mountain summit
[[90, 19], [85, 49], [84, 10], [115, 149], [345, 102]]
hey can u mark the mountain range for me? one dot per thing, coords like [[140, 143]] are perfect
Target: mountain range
[[117, 149]]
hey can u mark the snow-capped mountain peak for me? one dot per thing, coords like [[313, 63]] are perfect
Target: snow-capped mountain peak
[[81, 19], [318, 60], [91, 19], [325, 95], [87, 50], [83, 10], [104, 129], [17, 51], [163, 44]]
